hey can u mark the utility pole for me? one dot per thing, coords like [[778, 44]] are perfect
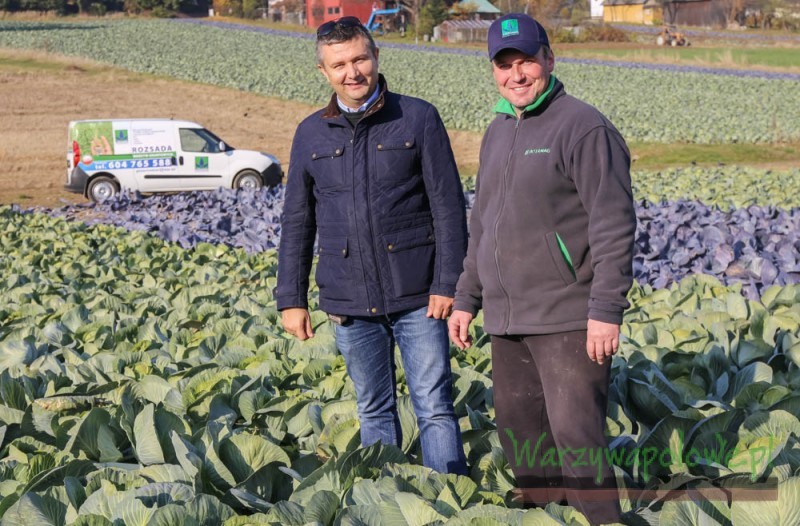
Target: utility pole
[[416, 21]]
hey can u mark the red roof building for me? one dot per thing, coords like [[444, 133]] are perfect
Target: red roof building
[[320, 11]]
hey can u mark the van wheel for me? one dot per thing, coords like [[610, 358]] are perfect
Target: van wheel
[[102, 188], [249, 179]]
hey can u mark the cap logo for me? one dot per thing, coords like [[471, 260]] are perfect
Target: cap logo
[[510, 27]]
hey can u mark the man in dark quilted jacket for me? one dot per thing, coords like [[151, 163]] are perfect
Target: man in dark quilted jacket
[[373, 175]]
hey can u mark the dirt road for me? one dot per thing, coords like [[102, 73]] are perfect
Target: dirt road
[[40, 94]]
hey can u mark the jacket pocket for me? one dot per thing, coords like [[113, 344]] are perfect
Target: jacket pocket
[[411, 254], [334, 276], [396, 158], [327, 166], [561, 258]]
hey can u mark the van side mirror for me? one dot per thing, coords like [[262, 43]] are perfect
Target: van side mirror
[[222, 146]]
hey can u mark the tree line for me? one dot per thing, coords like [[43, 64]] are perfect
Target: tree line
[[101, 7]]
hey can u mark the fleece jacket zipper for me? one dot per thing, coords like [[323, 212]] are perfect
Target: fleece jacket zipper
[[507, 314]]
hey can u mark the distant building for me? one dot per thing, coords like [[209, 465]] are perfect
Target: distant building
[[472, 30], [470, 22], [633, 11], [709, 13], [483, 9], [320, 11]]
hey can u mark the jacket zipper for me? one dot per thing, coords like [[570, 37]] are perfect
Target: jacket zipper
[[371, 232], [507, 314]]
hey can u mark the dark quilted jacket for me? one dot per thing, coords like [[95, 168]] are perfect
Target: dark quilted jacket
[[386, 200]]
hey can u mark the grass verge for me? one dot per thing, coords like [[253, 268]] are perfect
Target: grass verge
[[656, 155]]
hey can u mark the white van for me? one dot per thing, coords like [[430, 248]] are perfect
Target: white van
[[158, 155]]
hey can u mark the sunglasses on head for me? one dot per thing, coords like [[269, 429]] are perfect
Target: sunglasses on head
[[345, 21]]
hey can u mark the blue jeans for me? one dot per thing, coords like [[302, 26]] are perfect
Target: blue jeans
[[368, 348]]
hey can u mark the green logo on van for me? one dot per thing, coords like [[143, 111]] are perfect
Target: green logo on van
[[201, 163], [121, 135]]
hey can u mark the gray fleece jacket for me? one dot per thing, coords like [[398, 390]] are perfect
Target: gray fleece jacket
[[552, 227]]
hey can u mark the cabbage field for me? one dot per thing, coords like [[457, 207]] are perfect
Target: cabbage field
[[145, 379], [645, 103]]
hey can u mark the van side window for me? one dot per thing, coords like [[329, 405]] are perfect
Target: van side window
[[198, 140]]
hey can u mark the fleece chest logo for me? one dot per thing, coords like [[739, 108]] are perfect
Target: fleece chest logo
[[510, 28], [201, 163], [535, 151]]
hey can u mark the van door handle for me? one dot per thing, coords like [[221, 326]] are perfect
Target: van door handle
[[180, 160]]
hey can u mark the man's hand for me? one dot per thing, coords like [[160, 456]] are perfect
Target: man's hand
[[458, 326], [602, 340], [297, 322], [439, 307]]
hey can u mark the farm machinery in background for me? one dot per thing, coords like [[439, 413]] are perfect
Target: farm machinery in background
[[382, 20], [393, 16], [670, 36]]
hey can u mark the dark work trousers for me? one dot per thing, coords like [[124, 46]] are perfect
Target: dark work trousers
[[549, 393]]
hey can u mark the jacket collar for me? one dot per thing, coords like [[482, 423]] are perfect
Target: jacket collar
[[505, 107], [332, 109]]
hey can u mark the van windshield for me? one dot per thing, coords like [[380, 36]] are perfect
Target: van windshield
[[200, 140]]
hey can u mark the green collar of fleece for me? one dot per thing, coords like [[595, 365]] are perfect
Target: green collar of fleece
[[503, 106]]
